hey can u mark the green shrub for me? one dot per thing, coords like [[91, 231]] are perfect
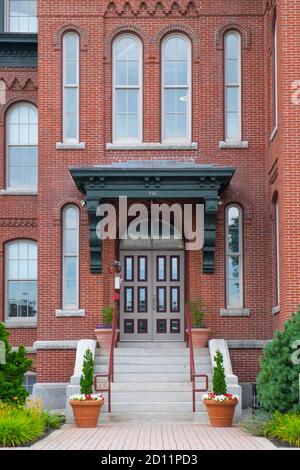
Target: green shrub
[[219, 381], [256, 423], [20, 427], [278, 381], [107, 316], [53, 420], [13, 371], [197, 312], [87, 377], [285, 427]]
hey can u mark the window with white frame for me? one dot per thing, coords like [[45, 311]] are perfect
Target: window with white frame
[[176, 89], [127, 84], [70, 257], [71, 88], [277, 252], [275, 74], [232, 98], [234, 257], [22, 146], [21, 280], [21, 16]]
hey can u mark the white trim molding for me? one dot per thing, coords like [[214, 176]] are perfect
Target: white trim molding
[[70, 313], [18, 192], [247, 343], [20, 324], [70, 146], [28, 349], [62, 344], [243, 144], [235, 312], [153, 146]]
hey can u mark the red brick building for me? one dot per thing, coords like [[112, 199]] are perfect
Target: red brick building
[[179, 100]]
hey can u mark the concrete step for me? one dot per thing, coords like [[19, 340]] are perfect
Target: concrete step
[[152, 377], [151, 344], [154, 397], [151, 387], [142, 351], [152, 368], [141, 360], [154, 407], [151, 417]]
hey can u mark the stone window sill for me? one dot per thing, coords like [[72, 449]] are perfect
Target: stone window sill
[[234, 145], [276, 310], [18, 192], [153, 146], [70, 313], [20, 324], [273, 133], [235, 312], [69, 146]]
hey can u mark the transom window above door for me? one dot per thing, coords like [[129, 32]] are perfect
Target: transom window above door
[[127, 84], [21, 16]]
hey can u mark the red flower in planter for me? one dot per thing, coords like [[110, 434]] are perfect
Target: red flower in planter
[[88, 397]]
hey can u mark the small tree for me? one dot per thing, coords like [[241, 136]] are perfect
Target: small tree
[[219, 381], [107, 316], [197, 312], [13, 371], [87, 377], [278, 380]]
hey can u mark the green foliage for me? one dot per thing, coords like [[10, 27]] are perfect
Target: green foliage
[[278, 381], [53, 420], [87, 377], [12, 372], [285, 427], [256, 423], [197, 312], [20, 426], [218, 381], [107, 315]]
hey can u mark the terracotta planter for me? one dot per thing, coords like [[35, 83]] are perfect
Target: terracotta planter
[[103, 337], [220, 413], [200, 337], [86, 412]]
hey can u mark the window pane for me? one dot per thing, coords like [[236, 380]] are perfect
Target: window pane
[[174, 268], [181, 126], [232, 74], [233, 267], [232, 46], [133, 101], [32, 299], [132, 126], [142, 268], [170, 73], [121, 101], [129, 268], [232, 99], [170, 101], [174, 307], [161, 268], [161, 299], [233, 126], [182, 77], [128, 299], [71, 126], [71, 268], [121, 126], [133, 73], [142, 307], [23, 299], [71, 293], [170, 126], [121, 73], [22, 16]]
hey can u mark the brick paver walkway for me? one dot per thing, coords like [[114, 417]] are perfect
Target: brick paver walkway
[[173, 436]]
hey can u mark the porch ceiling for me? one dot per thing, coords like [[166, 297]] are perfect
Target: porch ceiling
[[153, 179]]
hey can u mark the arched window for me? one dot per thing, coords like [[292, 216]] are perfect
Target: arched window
[[71, 88], [21, 16], [277, 251], [275, 75], [70, 257], [21, 280], [127, 85], [232, 63], [22, 146], [234, 257], [176, 89]]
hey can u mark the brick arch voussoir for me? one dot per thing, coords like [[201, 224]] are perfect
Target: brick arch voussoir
[[241, 28], [179, 28], [84, 38]]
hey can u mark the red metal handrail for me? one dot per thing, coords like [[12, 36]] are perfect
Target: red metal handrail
[[193, 375], [111, 361]]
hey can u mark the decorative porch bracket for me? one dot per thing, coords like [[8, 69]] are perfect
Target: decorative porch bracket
[[153, 180]]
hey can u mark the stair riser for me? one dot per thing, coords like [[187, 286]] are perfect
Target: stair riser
[[150, 368], [163, 397], [181, 407], [152, 360], [154, 417], [163, 352], [151, 345]]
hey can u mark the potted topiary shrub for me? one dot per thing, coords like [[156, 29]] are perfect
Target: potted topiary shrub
[[104, 331], [200, 332], [87, 405], [220, 404]]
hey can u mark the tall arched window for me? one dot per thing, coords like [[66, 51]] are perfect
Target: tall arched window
[[22, 146], [275, 75], [71, 88], [21, 16], [70, 257], [21, 280], [232, 63], [176, 89], [127, 85], [277, 251], [234, 257]]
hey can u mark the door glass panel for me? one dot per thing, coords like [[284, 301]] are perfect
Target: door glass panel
[[129, 268], [175, 268], [142, 268], [161, 299], [128, 326], [161, 326], [174, 307], [142, 326], [161, 268], [128, 307], [174, 326], [142, 299]]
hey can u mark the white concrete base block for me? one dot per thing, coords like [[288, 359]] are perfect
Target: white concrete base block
[[53, 395]]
